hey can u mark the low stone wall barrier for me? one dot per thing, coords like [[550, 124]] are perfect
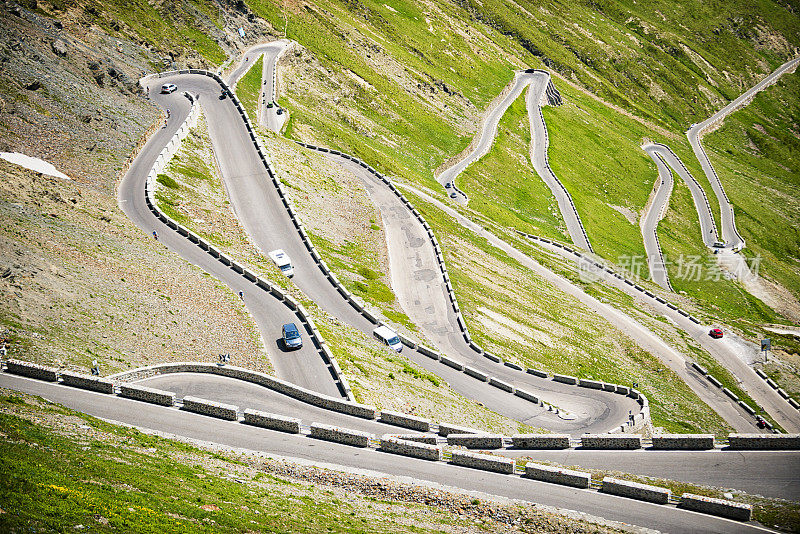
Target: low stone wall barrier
[[445, 429], [476, 441], [686, 442], [540, 441], [537, 372], [720, 507], [451, 363], [521, 393], [591, 384], [355, 438], [635, 490], [484, 462], [32, 370], [271, 382], [416, 438], [764, 441], [403, 447], [145, 394], [611, 441], [565, 379], [272, 421], [556, 475], [407, 421], [505, 386], [94, 383], [219, 410], [483, 377]]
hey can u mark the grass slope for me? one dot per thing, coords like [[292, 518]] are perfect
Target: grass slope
[[524, 319], [249, 88], [63, 471], [503, 186]]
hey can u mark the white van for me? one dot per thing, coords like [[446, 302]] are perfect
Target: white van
[[389, 337], [283, 262]]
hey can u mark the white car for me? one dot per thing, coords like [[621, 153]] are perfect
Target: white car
[[389, 337], [282, 260], [169, 88]]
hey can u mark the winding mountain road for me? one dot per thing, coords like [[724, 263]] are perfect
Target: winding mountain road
[[540, 87], [241, 171], [423, 297], [729, 232], [665, 160]]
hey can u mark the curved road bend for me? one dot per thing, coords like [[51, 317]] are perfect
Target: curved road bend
[[641, 335], [540, 142], [304, 367], [694, 133], [649, 224], [271, 51], [594, 411], [538, 81], [708, 228], [418, 284], [485, 136], [726, 351], [333, 455]]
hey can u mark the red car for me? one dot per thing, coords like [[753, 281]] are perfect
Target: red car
[[716, 333]]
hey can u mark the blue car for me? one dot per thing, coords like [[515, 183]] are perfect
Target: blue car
[[291, 337]]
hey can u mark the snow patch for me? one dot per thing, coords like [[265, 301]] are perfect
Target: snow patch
[[34, 164]]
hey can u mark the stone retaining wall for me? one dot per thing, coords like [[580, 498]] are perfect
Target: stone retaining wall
[[556, 475], [476, 441], [94, 383], [341, 435], [219, 410], [405, 420], [403, 447], [611, 441], [484, 462], [540, 441], [145, 394], [634, 490], [686, 442], [720, 507], [32, 370], [272, 421], [764, 441]]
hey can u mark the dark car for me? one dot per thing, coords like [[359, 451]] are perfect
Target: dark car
[[716, 333], [291, 336]]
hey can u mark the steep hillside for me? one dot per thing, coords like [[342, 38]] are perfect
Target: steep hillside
[[412, 80], [70, 261]]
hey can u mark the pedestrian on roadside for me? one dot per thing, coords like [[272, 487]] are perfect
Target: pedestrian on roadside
[[168, 113], [155, 235], [241, 295]]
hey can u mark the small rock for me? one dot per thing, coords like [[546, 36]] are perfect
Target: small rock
[[59, 46]]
